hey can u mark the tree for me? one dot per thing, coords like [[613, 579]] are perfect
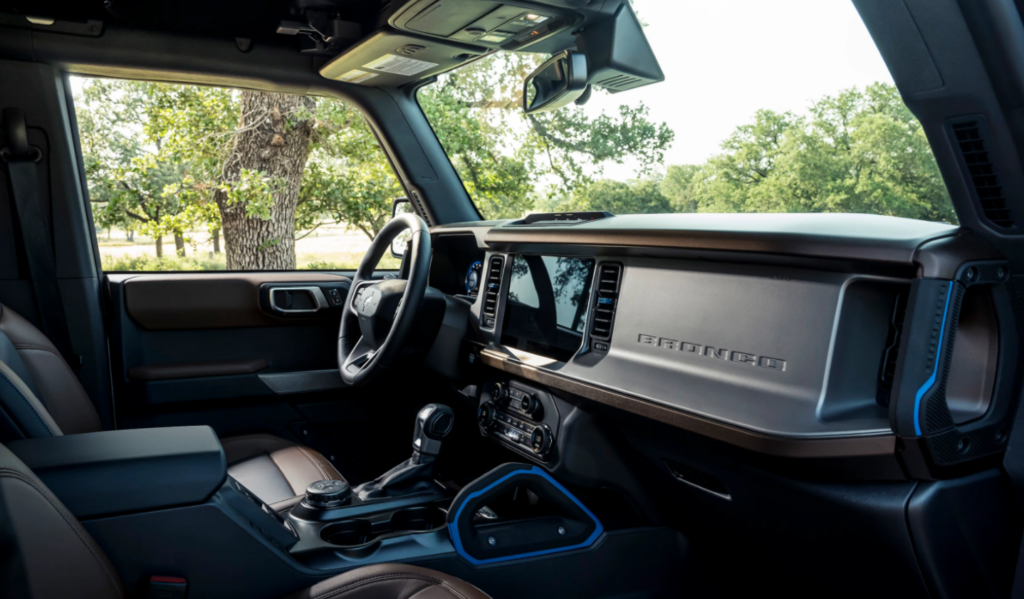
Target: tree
[[126, 175], [273, 139], [642, 196], [859, 151], [504, 155], [678, 187]]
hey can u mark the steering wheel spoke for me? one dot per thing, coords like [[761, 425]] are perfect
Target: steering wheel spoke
[[361, 355], [381, 313]]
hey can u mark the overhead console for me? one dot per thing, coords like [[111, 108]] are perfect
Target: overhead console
[[505, 25], [417, 39], [423, 38]]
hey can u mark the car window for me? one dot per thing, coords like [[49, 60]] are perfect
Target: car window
[[782, 106], [185, 177]]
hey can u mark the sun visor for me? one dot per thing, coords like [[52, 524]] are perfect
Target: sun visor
[[391, 59]]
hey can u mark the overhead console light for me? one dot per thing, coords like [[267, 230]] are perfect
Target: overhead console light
[[389, 58], [495, 25]]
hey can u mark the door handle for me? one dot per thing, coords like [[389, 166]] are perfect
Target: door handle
[[297, 300]]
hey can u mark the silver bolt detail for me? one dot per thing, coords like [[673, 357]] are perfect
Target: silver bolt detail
[[492, 540], [561, 530]]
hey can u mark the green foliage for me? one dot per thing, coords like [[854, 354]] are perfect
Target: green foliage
[[677, 186], [152, 263], [641, 196], [504, 156], [861, 151], [155, 156]]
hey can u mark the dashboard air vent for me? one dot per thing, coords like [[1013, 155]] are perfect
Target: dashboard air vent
[[493, 283], [887, 371], [609, 276], [970, 140]]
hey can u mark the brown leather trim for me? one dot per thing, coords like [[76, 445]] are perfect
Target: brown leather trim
[[60, 391], [192, 370], [788, 447], [243, 447], [71, 521], [302, 466], [373, 581], [208, 300], [22, 333]]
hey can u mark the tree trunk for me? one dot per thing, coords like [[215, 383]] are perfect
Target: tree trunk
[[179, 244], [274, 141], [216, 240], [131, 235], [159, 247]]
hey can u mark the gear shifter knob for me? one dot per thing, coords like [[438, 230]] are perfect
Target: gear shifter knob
[[433, 423]]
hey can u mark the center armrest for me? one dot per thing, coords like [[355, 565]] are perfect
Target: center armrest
[[116, 472]]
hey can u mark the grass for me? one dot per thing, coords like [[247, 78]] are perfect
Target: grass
[[331, 247], [150, 263]]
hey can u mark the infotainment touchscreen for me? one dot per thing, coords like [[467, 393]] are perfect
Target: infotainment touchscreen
[[546, 306]]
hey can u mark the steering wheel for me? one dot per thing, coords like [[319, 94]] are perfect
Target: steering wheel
[[379, 314]]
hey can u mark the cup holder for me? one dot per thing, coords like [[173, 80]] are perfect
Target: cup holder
[[418, 519], [348, 533], [359, 532]]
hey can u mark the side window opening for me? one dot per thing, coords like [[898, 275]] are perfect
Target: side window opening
[[185, 177]]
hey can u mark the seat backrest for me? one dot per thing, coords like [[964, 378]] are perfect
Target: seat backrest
[[39, 393], [51, 551]]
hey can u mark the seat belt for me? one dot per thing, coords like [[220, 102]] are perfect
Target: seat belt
[[23, 171]]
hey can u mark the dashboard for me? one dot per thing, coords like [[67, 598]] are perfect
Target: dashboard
[[802, 336]]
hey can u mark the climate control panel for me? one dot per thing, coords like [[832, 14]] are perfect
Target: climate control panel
[[519, 416]]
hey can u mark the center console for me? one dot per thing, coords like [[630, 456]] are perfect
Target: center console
[[159, 502]]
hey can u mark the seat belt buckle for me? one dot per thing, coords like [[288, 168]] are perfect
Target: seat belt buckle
[[167, 587]]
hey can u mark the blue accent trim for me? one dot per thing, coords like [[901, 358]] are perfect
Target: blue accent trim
[[453, 528], [935, 371], [470, 270]]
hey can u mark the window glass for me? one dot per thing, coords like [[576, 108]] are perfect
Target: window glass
[[185, 177], [782, 106]]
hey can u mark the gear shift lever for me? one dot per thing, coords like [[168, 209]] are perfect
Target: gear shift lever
[[433, 423], [415, 475]]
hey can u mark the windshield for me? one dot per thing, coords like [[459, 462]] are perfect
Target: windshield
[[782, 106]]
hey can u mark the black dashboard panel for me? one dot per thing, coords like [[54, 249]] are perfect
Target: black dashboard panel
[[781, 334], [833, 236], [750, 346], [454, 260]]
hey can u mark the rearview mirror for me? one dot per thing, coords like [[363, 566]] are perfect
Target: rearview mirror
[[562, 79]]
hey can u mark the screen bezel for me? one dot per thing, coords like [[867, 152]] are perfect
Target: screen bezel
[[543, 350]]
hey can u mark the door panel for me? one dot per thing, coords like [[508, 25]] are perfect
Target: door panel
[[200, 338], [211, 349]]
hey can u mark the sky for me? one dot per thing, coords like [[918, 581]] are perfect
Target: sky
[[725, 59]]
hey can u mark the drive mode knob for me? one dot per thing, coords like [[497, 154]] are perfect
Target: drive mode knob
[[540, 441], [485, 416], [328, 493]]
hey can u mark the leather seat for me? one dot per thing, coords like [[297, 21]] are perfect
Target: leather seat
[[59, 558], [41, 396]]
